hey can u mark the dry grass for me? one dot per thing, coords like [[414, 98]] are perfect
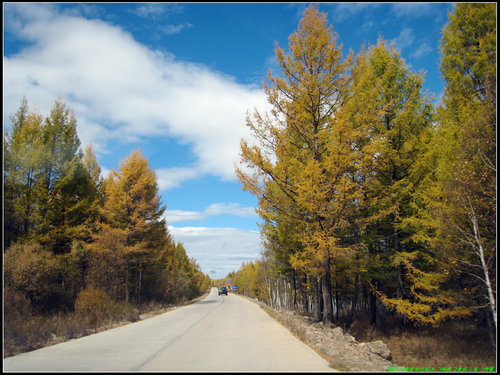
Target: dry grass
[[35, 332], [24, 333], [457, 344]]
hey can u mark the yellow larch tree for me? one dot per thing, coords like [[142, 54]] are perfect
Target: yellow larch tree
[[305, 164]]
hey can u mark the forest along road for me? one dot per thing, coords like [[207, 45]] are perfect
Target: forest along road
[[218, 333]]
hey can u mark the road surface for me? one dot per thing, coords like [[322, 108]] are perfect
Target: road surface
[[218, 333]]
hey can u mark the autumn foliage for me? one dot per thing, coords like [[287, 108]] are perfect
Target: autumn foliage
[[374, 202], [75, 242]]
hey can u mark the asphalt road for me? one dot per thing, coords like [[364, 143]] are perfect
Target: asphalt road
[[218, 333]]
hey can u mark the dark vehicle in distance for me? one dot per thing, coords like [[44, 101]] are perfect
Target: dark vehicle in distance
[[222, 290]]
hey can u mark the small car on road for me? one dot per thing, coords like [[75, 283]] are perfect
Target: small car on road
[[222, 290]]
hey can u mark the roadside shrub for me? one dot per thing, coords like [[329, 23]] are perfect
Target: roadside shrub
[[94, 307], [35, 272], [16, 305], [17, 311], [128, 312]]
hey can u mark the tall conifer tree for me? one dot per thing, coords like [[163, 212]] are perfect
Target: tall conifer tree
[[303, 167]]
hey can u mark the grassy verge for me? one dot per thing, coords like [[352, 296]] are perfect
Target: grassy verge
[[455, 346]]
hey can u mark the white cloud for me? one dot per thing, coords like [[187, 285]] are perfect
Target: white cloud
[[344, 11], [150, 10], [122, 91], [413, 10], [174, 29], [230, 209], [176, 216], [367, 26], [422, 50], [157, 10], [218, 251], [169, 178], [405, 38], [216, 209]]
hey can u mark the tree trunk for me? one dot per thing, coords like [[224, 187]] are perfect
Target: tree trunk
[[399, 291], [372, 297], [373, 308], [337, 306], [399, 316], [305, 301], [317, 301], [327, 297], [126, 283], [484, 266], [491, 330], [383, 320], [139, 289], [269, 288], [294, 290], [354, 302]]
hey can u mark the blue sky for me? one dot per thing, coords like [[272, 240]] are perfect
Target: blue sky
[[176, 81]]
